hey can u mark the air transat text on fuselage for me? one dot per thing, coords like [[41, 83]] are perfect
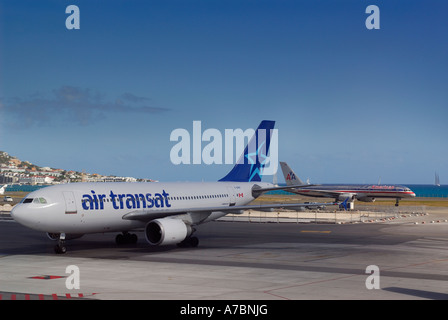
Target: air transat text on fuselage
[[95, 201]]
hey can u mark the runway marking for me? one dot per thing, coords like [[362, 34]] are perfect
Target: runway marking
[[47, 277], [270, 292], [314, 231], [40, 296], [307, 284]]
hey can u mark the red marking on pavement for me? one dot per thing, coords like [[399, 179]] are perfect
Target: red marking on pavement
[[41, 296], [46, 277]]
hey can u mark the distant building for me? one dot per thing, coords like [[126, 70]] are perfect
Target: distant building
[[5, 179], [33, 180]]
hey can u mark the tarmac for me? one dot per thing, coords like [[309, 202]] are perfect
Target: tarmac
[[399, 256]]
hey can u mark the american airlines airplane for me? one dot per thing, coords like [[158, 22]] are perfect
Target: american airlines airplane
[[361, 192], [167, 212]]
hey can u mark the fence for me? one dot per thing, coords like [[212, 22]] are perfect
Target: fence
[[320, 216]]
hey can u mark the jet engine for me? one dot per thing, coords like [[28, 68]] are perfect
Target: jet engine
[[343, 196], [366, 199], [166, 231]]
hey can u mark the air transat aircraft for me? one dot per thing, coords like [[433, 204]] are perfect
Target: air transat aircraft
[[361, 192], [168, 212]]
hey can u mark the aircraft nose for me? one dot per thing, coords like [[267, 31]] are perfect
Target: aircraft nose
[[18, 213], [23, 215]]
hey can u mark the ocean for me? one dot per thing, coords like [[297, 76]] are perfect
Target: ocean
[[429, 190], [421, 190]]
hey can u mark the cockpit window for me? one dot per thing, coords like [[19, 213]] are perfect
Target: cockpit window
[[35, 200], [40, 200]]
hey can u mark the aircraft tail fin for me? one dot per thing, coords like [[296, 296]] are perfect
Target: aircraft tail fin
[[251, 163], [3, 188], [344, 204], [290, 177]]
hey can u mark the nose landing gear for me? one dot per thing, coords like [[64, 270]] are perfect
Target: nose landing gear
[[60, 248]]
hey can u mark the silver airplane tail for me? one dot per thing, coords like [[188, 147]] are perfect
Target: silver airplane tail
[[290, 177]]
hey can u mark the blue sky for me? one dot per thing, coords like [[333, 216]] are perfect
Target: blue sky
[[350, 104]]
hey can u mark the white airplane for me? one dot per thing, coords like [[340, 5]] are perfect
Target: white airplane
[[2, 189], [168, 212]]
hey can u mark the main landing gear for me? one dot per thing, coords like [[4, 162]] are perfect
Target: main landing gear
[[126, 238], [189, 242]]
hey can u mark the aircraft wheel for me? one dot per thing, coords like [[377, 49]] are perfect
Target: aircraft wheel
[[191, 242], [60, 249], [119, 239], [126, 238], [194, 242]]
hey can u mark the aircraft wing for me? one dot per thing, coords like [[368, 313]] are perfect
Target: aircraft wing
[[149, 215], [298, 186], [323, 192]]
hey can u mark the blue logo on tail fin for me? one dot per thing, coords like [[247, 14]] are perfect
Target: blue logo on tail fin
[[251, 163], [344, 204]]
